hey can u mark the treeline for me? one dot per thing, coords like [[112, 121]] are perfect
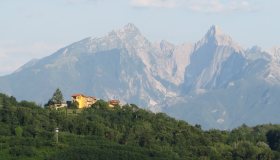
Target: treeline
[[27, 131]]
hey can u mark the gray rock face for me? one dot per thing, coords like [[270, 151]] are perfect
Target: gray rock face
[[122, 65], [214, 82], [226, 86]]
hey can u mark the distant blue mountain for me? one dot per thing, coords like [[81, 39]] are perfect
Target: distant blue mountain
[[214, 82]]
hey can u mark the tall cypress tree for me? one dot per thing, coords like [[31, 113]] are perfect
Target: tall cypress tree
[[57, 97]]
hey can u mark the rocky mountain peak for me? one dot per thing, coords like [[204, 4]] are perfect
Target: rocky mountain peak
[[216, 36], [128, 31], [214, 31]]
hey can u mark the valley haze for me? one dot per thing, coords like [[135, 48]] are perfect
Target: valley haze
[[214, 82]]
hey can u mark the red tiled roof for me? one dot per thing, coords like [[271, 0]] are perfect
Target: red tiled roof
[[76, 95], [114, 101]]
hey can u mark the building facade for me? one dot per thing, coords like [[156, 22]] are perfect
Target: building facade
[[83, 101]]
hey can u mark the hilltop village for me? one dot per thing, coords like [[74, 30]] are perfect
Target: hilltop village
[[79, 101], [84, 101]]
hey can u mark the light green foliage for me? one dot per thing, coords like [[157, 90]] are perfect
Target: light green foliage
[[18, 131]]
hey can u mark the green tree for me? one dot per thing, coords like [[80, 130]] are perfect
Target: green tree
[[72, 105], [18, 131], [57, 98], [273, 139], [245, 150]]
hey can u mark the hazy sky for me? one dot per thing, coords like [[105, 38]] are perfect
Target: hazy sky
[[36, 28]]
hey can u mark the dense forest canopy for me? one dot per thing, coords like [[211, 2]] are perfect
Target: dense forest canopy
[[27, 131]]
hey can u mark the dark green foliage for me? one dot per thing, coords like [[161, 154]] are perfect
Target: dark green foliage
[[116, 152], [57, 98], [72, 105], [22, 151], [123, 132], [273, 138]]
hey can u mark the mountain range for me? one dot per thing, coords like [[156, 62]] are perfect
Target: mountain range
[[214, 82]]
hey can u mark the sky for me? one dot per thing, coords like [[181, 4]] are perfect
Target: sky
[[37, 28]]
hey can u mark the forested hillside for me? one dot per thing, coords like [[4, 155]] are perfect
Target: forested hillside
[[27, 131]]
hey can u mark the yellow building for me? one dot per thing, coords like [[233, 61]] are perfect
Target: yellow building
[[83, 101]]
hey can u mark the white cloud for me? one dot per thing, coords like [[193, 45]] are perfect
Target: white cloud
[[206, 6], [13, 55], [154, 3], [79, 1]]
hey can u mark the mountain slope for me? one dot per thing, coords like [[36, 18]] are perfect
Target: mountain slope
[[215, 61], [214, 82], [226, 86], [122, 64]]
